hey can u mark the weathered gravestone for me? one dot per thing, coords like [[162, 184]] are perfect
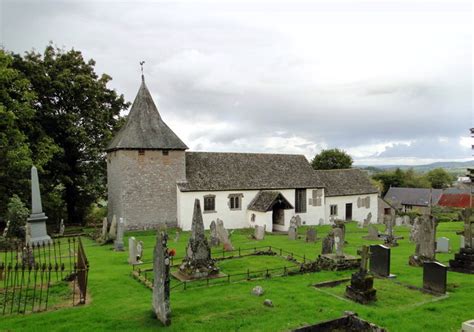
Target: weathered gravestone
[[161, 280], [198, 262], [339, 223], [398, 221], [62, 228], [406, 220], [328, 244], [361, 288], [435, 277], [368, 220], [103, 235], [214, 237], [37, 219], [425, 250], [389, 237], [464, 260], [415, 229], [311, 234], [380, 260], [113, 229], [462, 242], [118, 243], [259, 232], [223, 235], [292, 233], [298, 221], [135, 250], [339, 242], [373, 233], [5, 231], [442, 245]]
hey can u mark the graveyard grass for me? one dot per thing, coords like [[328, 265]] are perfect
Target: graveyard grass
[[119, 302]]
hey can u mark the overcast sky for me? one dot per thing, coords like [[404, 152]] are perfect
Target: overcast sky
[[390, 82]]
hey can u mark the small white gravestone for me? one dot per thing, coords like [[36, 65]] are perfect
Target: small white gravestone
[[135, 249], [462, 243], [468, 326], [442, 245], [406, 220], [118, 243], [62, 228], [259, 232], [398, 221]]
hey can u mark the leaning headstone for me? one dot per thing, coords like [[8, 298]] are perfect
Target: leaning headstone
[[338, 242], [311, 234], [118, 243], [442, 245], [113, 229], [161, 280], [132, 251], [37, 219], [425, 249], [292, 233], [61, 228], [373, 233], [328, 244], [198, 262], [104, 229], [380, 260], [259, 232], [368, 220], [361, 288], [435, 277], [223, 235], [214, 240]]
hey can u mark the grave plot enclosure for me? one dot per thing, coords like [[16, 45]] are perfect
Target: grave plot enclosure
[[42, 276]]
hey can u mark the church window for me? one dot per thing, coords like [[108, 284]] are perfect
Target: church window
[[165, 152], [141, 152], [235, 201], [209, 203], [300, 200], [333, 210]]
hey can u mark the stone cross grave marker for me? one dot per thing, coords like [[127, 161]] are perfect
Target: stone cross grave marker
[[311, 234], [442, 245], [161, 281], [118, 243], [435, 277], [380, 260], [259, 232]]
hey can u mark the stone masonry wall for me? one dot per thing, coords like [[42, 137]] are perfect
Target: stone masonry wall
[[142, 188]]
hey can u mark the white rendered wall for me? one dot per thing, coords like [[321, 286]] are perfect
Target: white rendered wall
[[241, 218], [358, 214]]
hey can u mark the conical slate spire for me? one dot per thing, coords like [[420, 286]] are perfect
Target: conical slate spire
[[145, 129]]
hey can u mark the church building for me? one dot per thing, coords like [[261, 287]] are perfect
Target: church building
[[153, 180]]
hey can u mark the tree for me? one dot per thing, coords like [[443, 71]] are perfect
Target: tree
[[332, 159], [439, 178], [76, 115]]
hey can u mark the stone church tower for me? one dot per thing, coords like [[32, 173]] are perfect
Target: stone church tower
[[144, 161]]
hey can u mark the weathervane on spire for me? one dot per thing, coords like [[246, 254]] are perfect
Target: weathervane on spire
[[141, 66]]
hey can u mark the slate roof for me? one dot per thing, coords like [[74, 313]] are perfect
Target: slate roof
[[145, 129], [215, 171], [265, 200], [345, 182], [412, 196]]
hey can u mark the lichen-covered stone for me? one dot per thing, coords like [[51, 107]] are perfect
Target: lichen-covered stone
[[161, 281]]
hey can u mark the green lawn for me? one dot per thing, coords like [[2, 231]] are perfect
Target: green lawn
[[119, 302]]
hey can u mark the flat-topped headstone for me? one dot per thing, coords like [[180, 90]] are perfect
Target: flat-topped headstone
[[380, 260], [442, 245], [292, 233], [435, 277], [259, 232], [118, 243], [161, 280], [37, 219], [311, 234]]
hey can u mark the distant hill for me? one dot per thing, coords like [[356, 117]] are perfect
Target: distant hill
[[455, 167]]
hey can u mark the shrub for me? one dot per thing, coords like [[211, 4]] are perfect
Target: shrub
[[17, 214]]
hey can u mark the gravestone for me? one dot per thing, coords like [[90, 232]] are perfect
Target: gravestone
[[368, 219], [373, 233], [406, 220], [380, 260], [321, 221], [398, 221], [161, 280], [389, 237], [339, 223], [27, 233], [61, 228], [113, 229], [293, 222], [339, 242], [328, 244], [462, 242], [214, 238], [118, 243], [425, 250], [415, 229], [298, 221], [311, 234], [37, 219], [442, 245], [104, 229], [292, 233], [198, 262], [464, 260], [361, 288], [435, 277], [139, 250], [223, 235], [176, 237], [133, 256], [259, 232], [5, 231]]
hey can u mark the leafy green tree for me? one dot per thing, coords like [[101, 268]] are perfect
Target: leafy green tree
[[439, 178], [78, 113], [17, 214], [332, 159]]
